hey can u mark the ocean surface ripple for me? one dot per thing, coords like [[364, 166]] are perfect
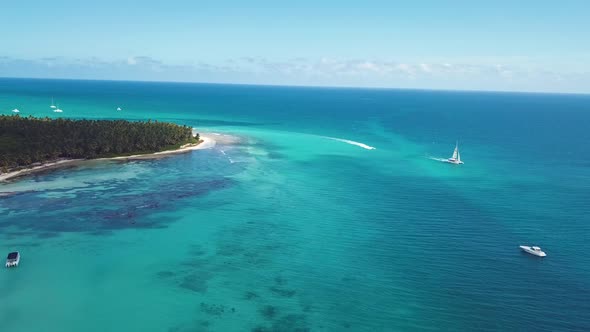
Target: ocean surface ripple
[[275, 228]]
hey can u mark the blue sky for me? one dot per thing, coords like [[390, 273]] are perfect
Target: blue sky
[[493, 45]]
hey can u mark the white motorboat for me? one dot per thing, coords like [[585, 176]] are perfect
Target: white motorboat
[[13, 259], [456, 158], [118, 108], [15, 110], [534, 250], [57, 110]]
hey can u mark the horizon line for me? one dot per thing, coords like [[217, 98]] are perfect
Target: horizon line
[[301, 86]]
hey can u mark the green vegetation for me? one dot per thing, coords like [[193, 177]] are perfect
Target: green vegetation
[[25, 141]]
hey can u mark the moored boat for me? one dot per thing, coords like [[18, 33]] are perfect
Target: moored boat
[[12, 259]]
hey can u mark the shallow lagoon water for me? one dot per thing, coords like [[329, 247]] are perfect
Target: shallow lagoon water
[[284, 229]]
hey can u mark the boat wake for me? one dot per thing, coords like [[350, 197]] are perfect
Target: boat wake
[[443, 160], [362, 145]]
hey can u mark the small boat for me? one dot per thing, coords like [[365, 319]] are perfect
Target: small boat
[[12, 259], [15, 110], [52, 104], [118, 108], [456, 158], [534, 250], [57, 110]]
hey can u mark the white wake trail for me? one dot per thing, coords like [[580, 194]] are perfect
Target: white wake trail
[[362, 145], [444, 160]]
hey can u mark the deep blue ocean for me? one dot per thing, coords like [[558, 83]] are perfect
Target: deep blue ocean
[[291, 223]]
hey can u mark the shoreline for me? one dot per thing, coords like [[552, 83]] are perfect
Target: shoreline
[[206, 142]]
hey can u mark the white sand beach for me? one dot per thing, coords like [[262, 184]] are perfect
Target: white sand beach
[[206, 142]]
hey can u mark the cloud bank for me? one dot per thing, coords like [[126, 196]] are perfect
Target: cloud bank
[[460, 75]]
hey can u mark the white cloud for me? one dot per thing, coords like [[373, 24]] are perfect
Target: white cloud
[[425, 67], [301, 71]]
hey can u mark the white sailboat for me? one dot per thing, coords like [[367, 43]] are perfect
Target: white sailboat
[[52, 104], [456, 158]]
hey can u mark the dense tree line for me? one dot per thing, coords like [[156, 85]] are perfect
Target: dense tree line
[[25, 141]]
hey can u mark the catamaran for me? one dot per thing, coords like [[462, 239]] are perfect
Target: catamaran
[[52, 104], [456, 158]]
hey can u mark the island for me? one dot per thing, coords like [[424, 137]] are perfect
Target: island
[[29, 143]]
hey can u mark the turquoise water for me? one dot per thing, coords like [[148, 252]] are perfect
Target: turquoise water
[[280, 228]]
